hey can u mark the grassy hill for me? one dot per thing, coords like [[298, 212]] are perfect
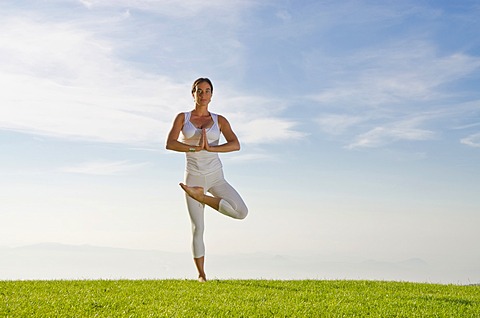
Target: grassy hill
[[236, 298]]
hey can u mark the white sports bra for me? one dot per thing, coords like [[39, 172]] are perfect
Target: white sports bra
[[201, 162]]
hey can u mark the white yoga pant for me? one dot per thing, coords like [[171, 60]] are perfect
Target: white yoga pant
[[231, 204]]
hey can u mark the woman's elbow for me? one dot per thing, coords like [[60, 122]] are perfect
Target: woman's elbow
[[169, 145], [237, 146]]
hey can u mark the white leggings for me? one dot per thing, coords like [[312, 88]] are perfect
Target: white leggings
[[231, 204]]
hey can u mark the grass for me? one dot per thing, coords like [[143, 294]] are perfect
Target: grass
[[235, 298]]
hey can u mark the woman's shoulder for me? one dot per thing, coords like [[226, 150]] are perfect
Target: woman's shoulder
[[222, 121], [180, 118], [181, 115], [217, 115], [221, 118]]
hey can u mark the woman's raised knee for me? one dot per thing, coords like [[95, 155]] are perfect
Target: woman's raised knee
[[242, 213]]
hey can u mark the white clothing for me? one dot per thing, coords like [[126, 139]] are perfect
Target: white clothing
[[204, 169], [201, 162], [231, 204]]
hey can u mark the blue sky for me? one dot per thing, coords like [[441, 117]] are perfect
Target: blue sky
[[359, 123]]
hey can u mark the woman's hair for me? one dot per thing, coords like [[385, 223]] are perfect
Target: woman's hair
[[201, 80]]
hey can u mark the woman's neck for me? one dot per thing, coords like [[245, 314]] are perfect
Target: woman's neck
[[201, 111]]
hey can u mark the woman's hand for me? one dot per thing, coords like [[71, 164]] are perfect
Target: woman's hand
[[204, 140], [203, 144], [232, 143]]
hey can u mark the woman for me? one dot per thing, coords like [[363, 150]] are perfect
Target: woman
[[200, 133]]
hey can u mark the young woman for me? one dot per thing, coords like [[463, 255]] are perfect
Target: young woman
[[200, 132]]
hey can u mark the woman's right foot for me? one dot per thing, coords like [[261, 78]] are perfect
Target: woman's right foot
[[202, 279], [194, 192]]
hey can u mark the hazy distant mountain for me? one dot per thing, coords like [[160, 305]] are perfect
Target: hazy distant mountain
[[59, 261]]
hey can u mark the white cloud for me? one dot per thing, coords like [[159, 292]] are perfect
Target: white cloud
[[106, 168], [337, 124], [472, 140], [466, 126], [86, 3], [374, 86], [176, 8], [406, 71], [392, 132], [62, 81], [255, 119], [268, 130], [65, 80]]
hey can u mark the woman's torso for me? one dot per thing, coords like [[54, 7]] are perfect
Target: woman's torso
[[201, 162]]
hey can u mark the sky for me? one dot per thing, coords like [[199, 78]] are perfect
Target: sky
[[359, 123]]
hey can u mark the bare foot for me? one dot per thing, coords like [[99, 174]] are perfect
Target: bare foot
[[195, 192]]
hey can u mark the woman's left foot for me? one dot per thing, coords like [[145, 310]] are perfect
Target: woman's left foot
[[195, 192]]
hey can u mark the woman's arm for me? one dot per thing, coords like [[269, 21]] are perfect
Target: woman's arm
[[232, 143], [172, 139]]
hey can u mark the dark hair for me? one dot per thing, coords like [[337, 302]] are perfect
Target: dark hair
[[201, 80]]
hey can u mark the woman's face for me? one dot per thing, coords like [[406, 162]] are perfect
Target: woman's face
[[203, 94]]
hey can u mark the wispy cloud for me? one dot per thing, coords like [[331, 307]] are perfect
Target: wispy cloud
[[381, 127], [77, 87], [175, 8], [80, 88], [105, 168], [268, 130], [472, 140], [409, 67], [392, 132], [336, 124], [86, 81], [257, 119], [404, 71], [397, 81]]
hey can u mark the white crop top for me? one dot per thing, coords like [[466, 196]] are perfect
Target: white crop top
[[201, 162]]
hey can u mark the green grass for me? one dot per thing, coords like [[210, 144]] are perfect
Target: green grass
[[235, 298]]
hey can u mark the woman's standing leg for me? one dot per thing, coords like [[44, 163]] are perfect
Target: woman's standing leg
[[196, 212], [225, 199], [200, 264]]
